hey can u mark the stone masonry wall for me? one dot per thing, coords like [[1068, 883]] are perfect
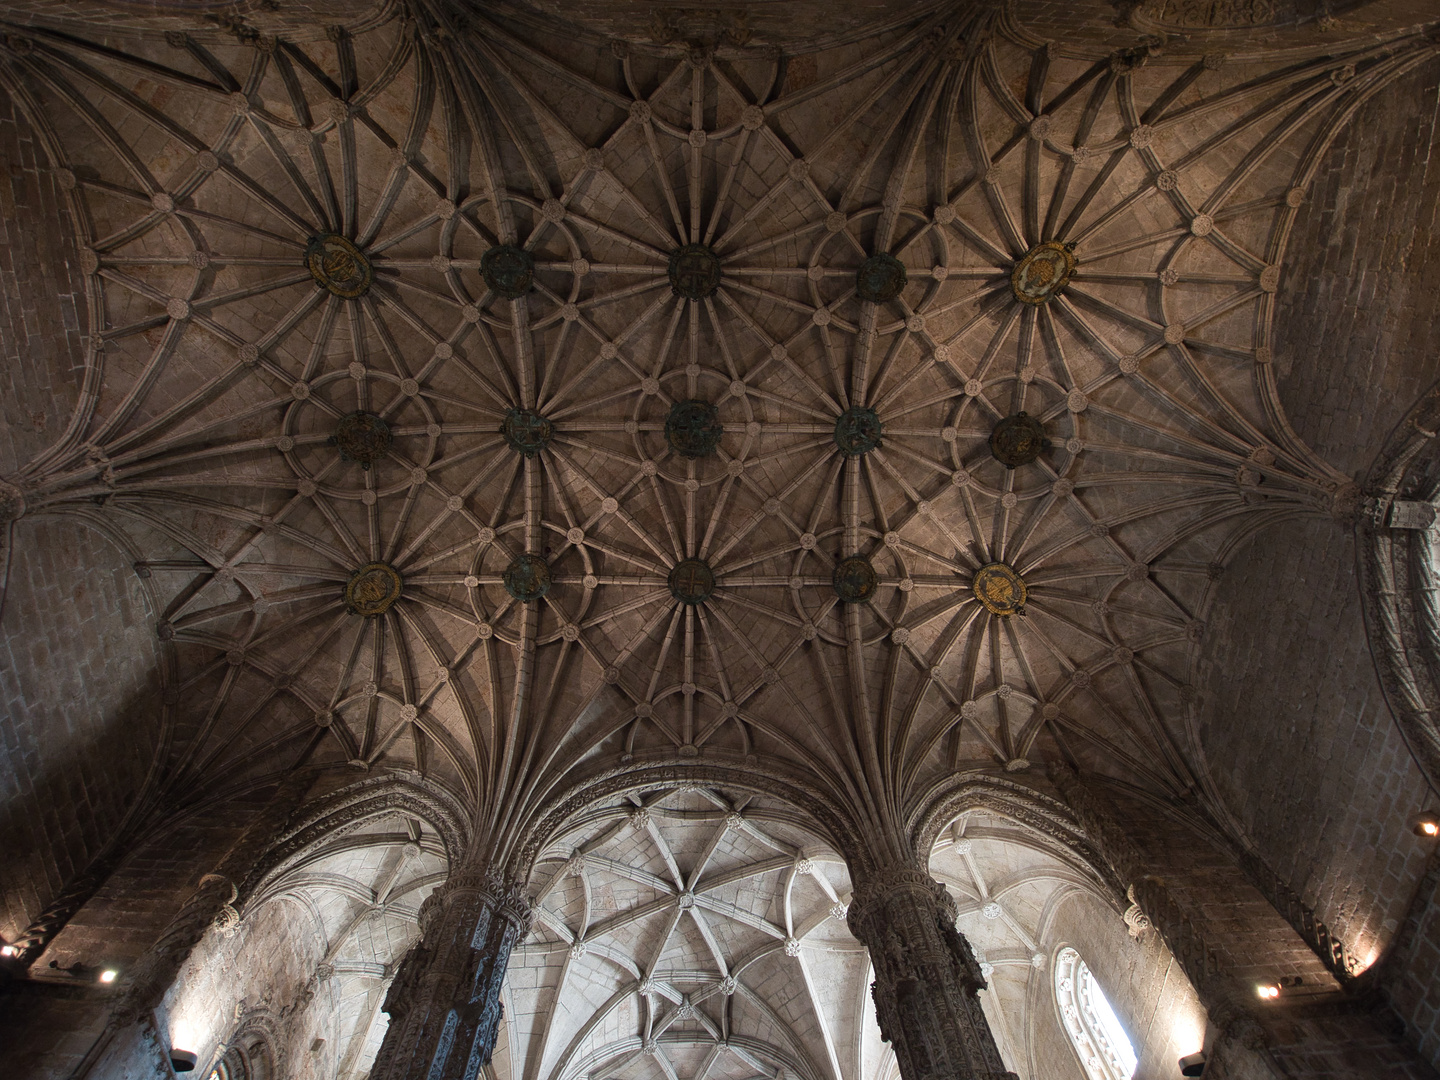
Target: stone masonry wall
[[78, 706], [1300, 744], [42, 304]]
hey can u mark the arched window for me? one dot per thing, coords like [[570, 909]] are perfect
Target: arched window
[[249, 1059], [1091, 1023]]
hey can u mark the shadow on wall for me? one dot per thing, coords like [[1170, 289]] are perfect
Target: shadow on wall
[[79, 707], [1297, 737]]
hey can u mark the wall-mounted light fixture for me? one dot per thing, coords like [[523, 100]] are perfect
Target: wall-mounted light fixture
[[9, 952], [1271, 991], [183, 1060], [108, 975], [1426, 825], [1192, 1065]]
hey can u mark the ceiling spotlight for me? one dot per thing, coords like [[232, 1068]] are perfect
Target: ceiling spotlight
[[1192, 1065], [183, 1060], [1268, 991], [1426, 825], [108, 975], [9, 951]]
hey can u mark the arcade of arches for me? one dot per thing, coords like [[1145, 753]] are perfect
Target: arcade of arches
[[779, 540]]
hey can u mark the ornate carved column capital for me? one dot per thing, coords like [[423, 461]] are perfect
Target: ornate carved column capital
[[926, 976], [444, 1004]]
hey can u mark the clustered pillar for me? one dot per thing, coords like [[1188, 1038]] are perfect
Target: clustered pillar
[[926, 978], [444, 1004]]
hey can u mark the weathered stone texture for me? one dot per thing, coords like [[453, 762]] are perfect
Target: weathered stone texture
[[1358, 302], [42, 303], [78, 707], [1300, 744]]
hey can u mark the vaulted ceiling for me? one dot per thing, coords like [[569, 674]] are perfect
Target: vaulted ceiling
[[510, 405]]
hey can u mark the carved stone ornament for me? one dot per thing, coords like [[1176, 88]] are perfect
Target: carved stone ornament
[[1135, 919], [694, 272], [526, 431], [362, 437], [373, 589], [338, 265], [692, 581], [855, 580], [527, 578], [858, 431], [693, 428], [880, 277], [444, 1004], [1043, 272], [1018, 440], [1213, 14], [12, 503], [508, 271], [1000, 590], [926, 976]]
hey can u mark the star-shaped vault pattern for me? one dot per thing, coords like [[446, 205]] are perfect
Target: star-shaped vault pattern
[[511, 407]]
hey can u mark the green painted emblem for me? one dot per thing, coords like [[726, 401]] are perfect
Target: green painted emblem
[[858, 431], [362, 437], [527, 431], [692, 581], [527, 578], [1018, 440], [508, 271], [694, 272], [693, 428], [880, 277], [855, 580]]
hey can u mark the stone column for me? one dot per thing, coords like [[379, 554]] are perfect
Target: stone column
[[926, 978], [444, 1004]]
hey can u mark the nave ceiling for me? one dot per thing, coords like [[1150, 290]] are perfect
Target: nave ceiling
[[391, 518], [220, 375]]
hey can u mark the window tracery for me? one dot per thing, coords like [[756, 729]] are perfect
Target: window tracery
[[1095, 1031]]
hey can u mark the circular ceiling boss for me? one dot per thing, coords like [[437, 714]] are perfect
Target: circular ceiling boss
[[508, 271], [372, 590], [880, 277], [692, 581], [693, 428], [855, 580], [1043, 272], [858, 430], [694, 272], [527, 578], [338, 265], [1000, 590], [1018, 440], [362, 437], [526, 431]]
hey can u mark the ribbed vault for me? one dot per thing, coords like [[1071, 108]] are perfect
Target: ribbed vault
[[506, 405], [687, 935]]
